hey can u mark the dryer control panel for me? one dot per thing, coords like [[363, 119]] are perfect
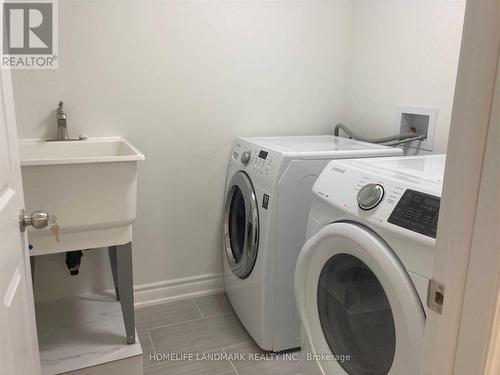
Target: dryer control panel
[[418, 212], [393, 200]]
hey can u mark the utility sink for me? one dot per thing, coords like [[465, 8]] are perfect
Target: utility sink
[[89, 185]]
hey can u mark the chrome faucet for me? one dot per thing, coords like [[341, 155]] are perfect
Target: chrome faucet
[[62, 126]]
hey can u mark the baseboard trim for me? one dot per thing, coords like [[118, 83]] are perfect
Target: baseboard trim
[[178, 289]]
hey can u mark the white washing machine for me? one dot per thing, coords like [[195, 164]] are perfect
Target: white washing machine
[[362, 276], [268, 195]]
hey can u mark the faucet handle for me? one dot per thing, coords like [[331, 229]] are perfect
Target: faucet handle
[[61, 111]]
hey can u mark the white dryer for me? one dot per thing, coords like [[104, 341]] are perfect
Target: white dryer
[[361, 278], [268, 195]]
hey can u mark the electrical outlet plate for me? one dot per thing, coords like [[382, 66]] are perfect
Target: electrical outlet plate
[[422, 119]]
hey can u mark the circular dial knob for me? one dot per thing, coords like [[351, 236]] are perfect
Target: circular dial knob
[[245, 157], [370, 195]]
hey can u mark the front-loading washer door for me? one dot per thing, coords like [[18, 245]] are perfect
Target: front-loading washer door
[[241, 225], [360, 310]]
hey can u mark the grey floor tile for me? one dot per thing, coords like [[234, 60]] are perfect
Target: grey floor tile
[[256, 361], [195, 366], [214, 304], [182, 329], [192, 368], [164, 314], [147, 349], [199, 336]]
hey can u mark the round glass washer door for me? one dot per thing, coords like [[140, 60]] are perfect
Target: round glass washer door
[[241, 225], [355, 315], [359, 308]]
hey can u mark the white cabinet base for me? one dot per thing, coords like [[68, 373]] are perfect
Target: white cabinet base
[[84, 335]]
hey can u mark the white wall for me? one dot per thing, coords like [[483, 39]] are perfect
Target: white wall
[[181, 80], [402, 52]]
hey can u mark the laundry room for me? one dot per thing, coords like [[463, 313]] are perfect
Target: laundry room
[[249, 187]]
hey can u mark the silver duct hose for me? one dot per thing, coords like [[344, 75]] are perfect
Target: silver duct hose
[[402, 138]]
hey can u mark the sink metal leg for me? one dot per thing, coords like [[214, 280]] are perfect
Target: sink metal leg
[[124, 283], [112, 262], [32, 267]]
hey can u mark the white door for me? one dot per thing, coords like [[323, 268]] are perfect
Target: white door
[[356, 299], [18, 340], [467, 260]]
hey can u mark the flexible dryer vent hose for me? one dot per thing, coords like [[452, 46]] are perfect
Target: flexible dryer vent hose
[[338, 127]]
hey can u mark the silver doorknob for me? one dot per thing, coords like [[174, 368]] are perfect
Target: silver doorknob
[[38, 219]]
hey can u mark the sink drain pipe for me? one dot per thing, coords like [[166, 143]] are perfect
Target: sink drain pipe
[[73, 260]]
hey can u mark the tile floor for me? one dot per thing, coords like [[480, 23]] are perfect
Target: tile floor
[[205, 326]]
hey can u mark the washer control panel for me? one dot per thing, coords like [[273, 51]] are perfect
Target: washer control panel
[[261, 161], [245, 157], [418, 212], [262, 164]]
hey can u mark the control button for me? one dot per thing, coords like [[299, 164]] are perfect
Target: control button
[[245, 157], [370, 195]]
